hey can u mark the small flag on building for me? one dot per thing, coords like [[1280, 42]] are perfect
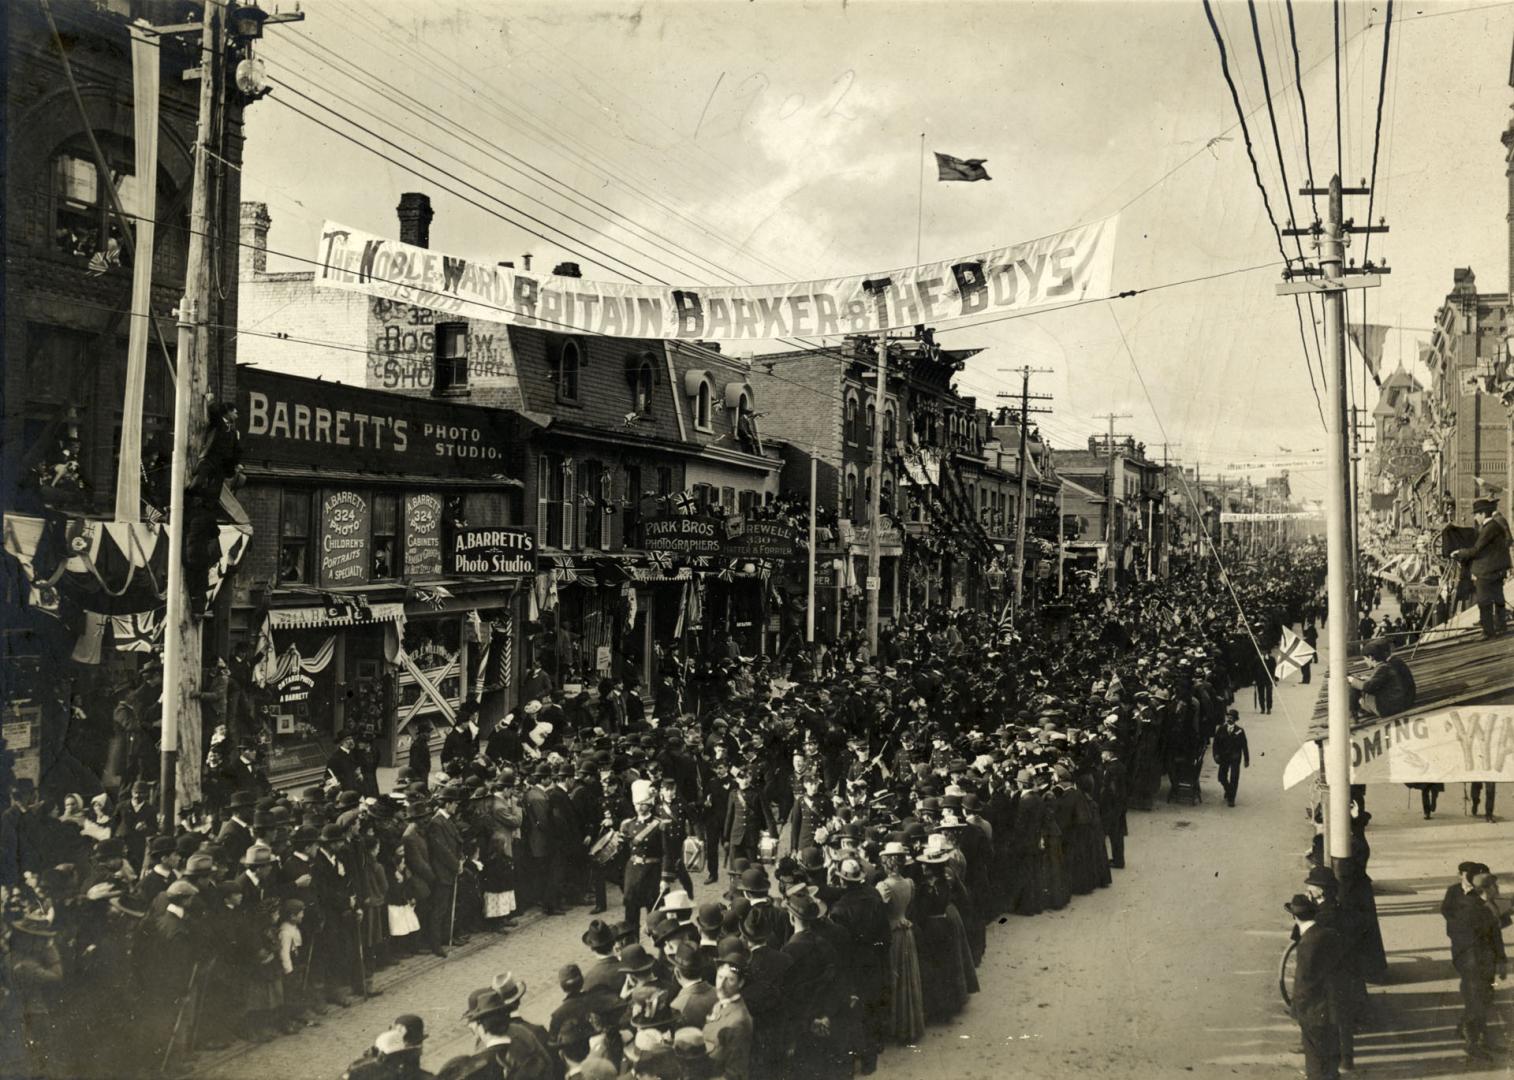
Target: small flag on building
[[1369, 339], [952, 168], [1292, 655]]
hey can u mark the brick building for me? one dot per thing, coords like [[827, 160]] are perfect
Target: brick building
[[933, 545], [68, 294], [1138, 502], [610, 431], [1467, 348]]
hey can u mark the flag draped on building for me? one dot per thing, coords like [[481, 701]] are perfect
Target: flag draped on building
[[1292, 655], [955, 168]]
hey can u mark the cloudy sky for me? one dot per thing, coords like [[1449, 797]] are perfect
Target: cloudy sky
[[711, 142]]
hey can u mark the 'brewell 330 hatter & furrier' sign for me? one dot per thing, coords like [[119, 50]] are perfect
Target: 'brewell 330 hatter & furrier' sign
[[288, 420], [1056, 269]]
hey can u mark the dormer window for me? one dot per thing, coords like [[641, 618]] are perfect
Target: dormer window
[[569, 364], [641, 377], [700, 388]]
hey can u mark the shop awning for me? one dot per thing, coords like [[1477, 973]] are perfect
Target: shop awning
[[302, 618], [1461, 728]]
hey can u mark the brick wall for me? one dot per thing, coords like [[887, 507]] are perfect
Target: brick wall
[[289, 303], [800, 403], [260, 564]]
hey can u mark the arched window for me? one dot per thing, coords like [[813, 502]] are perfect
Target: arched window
[[641, 388], [886, 496], [849, 492], [864, 509], [888, 425], [569, 362], [702, 405], [82, 223], [872, 421], [850, 429]]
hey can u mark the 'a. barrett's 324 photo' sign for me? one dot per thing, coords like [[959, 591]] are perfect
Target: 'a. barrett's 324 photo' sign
[[1051, 270]]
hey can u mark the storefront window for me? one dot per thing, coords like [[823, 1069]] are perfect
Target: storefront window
[[434, 648], [294, 539], [386, 554]]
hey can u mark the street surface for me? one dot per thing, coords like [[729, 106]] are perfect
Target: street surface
[[1171, 972]]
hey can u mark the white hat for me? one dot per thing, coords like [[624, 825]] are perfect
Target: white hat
[[389, 1042], [642, 792], [531, 708]]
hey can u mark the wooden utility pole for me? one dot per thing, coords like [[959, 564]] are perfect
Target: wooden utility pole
[[879, 288], [1329, 280], [181, 630], [181, 753], [1026, 397], [1110, 502]]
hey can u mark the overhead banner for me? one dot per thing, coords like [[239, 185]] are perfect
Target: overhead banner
[[1052, 270], [1227, 516], [1475, 743]]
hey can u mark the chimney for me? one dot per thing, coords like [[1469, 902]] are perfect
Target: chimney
[[252, 254], [567, 269], [415, 219], [505, 265], [525, 261]]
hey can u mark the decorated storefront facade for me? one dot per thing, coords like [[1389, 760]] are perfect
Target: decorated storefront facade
[[382, 597]]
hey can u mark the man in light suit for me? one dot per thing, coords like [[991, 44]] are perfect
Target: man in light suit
[[1317, 998], [728, 1031]]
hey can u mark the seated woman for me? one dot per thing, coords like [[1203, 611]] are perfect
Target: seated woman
[[1386, 688]]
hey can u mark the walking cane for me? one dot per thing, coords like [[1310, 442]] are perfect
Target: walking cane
[[452, 919], [173, 1035], [305, 978], [362, 966]]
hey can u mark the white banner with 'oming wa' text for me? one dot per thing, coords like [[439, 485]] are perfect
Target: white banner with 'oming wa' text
[[1046, 272]]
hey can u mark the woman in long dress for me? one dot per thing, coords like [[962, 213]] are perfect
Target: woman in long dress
[[908, 997], [946, 960], [498, 880]]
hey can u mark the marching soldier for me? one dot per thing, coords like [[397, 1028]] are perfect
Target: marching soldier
[[650, 860]]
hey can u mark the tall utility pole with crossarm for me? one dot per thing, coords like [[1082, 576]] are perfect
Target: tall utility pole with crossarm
[[1330, 280], [1026, 397]]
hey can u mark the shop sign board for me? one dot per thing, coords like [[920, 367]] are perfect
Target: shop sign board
[[346, 520], [493, 550], [763, 540], [685, 534], [289, 420], [423, 535]]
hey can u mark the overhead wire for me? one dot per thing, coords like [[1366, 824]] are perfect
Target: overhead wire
[[1183, 479]]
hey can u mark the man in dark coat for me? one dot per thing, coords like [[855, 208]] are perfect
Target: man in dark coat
[[343, 766], [461, 744], [1317, 990], [1230, 753], [566, 846], [135, 821], [1488, 559], [861, 912], [235, 835], [746, 817], [444, 844], [536, 831], [1477, 950]]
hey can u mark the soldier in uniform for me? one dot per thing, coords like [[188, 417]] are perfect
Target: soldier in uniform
[[675, 824], [650, 858]]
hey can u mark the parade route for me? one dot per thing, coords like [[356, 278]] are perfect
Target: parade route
[[1170, 972]]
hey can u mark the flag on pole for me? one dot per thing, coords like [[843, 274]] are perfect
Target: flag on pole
[[1292, 654], [953, 168], [1368, 339]]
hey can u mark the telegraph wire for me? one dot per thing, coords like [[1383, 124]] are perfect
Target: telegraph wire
[[1235, 97], [1303, 102], [1377, 135], [499, 154], [1277, 142]]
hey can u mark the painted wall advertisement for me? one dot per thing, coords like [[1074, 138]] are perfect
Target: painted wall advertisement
[[494, 550], [345, 522], [423, 535], [287, 420]]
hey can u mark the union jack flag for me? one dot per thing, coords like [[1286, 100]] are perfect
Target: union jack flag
[[684, 502], [661, 560], [1292, 654]]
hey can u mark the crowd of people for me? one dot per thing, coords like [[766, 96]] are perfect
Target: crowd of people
[[862, 823]]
